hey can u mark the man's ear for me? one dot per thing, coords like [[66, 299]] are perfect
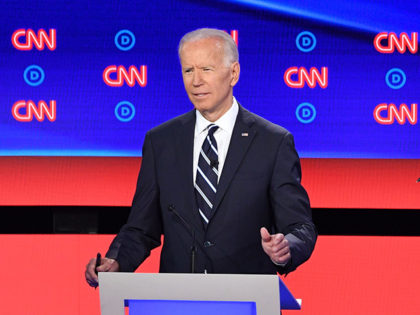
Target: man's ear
[[235, 70]]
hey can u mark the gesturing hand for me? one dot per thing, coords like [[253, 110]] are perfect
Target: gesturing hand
[[276, 246]]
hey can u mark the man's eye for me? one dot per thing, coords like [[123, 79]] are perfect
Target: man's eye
[[206, 69], [187, 70]]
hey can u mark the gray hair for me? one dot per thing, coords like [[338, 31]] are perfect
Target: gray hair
[[230, 49]]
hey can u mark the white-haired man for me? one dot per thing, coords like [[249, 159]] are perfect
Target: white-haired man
[[220, 183]]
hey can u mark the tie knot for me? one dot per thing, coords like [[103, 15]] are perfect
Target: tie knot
[[212, 129]]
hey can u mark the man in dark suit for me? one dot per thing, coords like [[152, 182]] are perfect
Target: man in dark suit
[[220, 183]]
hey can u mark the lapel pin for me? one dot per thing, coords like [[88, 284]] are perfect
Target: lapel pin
[[244, 134]]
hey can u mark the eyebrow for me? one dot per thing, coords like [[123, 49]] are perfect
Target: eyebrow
[[199, 67]]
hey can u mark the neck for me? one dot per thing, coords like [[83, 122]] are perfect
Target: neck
[[213, 116]]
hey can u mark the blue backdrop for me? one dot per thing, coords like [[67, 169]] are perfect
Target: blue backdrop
[[88, 124]]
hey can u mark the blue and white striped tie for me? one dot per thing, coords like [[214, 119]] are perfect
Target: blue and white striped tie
[[207, 175]]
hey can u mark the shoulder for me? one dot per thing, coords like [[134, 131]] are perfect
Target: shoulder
[[262, 125], [171, 126]]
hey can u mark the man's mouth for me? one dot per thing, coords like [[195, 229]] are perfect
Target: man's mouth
[[200, 94]]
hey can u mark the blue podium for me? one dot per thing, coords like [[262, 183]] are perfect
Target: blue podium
[[187, 294]]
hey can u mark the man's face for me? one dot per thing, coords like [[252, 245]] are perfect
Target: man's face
[[207, 79]]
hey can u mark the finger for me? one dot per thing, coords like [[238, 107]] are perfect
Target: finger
[[115, 266], [104, 266], [277, 238], [90, 269], [90, 274], [283, 251], [265, 236], [278, 247], [283, 259], [108, 265], [93, 283]]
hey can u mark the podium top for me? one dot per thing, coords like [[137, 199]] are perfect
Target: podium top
[[264, 290]]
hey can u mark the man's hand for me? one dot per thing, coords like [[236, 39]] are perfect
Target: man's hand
[[106, 265], [276, 246]]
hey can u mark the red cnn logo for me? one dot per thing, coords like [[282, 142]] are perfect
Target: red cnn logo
[[302, 75], [40, 40], [234, 35], [130, 77], [392, 112], [402, 43], [40, 112]]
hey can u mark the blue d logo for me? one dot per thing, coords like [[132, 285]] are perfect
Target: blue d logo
[[395, 78], [306, 41], [124, 40], [33, 75], [124, 111], [306, 113]]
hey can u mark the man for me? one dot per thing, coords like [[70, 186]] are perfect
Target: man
[[220, 183]]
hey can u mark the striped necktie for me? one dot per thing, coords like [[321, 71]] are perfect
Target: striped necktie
[[207, 175]]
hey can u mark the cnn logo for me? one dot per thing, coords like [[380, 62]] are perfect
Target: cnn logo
[[386, 114], [295, 77], [234, 35], [26, 39], [115, 76], [387, 43], [25, 111]]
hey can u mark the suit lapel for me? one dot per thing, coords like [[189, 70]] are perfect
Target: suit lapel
[[242, 137]]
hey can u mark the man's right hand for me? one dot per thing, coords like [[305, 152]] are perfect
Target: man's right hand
[[107, 265]]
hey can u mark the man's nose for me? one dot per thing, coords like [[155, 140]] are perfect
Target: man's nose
[[197, 78]]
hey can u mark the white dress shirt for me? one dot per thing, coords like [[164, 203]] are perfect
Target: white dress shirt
[[222, 135]]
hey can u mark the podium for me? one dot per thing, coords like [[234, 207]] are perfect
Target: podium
[[222, 294]]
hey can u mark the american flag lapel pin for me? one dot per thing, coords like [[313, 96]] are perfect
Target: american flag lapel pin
[[244, 134]]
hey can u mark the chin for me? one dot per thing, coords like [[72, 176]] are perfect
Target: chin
[[201, 107]]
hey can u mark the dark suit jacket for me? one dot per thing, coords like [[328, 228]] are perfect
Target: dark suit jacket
[[259, 186]]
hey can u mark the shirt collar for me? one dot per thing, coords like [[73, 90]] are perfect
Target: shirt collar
[[226, 122]]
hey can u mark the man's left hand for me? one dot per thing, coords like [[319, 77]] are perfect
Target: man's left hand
[[276, 246]]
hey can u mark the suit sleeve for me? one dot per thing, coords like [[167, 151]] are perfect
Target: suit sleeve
[[143, 230], [292, 212]]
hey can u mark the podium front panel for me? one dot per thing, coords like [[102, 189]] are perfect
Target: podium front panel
[[167, 307]]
